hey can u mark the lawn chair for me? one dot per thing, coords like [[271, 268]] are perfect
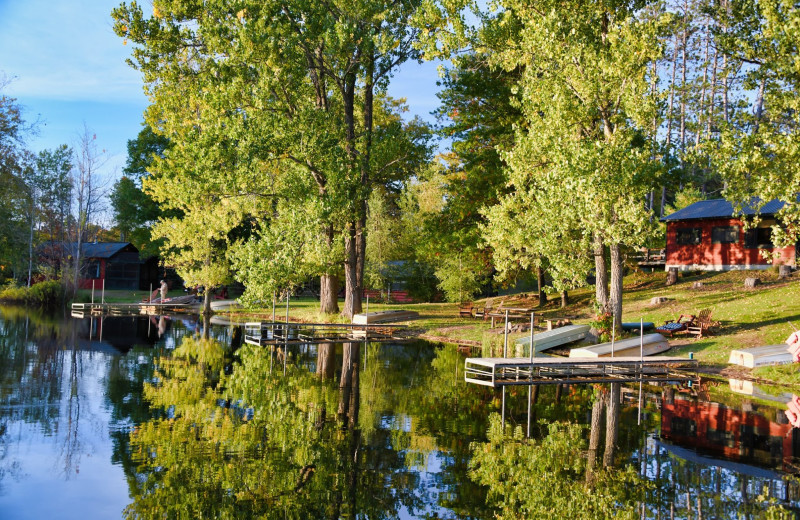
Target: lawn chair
[[678, 326], [487, 308], [701, 325], [465, 310]]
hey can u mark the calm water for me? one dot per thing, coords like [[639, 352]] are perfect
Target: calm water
[[125, 416]]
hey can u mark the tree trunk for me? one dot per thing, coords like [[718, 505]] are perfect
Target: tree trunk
[[352, 296], [601, 274], [612, 425], [328, 294], [594, 436], [540, 286], [326, 355], [207, 302], [615, 298], [564, 299]]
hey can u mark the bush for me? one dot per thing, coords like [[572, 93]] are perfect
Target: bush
[[13, 293], [46, 294], [43, 294]]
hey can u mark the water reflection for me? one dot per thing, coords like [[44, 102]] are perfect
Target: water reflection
[[129, 418]]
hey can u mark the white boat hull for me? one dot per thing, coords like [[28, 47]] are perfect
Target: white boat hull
[[648, 345]]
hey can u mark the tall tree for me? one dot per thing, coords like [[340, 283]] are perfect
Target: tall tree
[[582, 164], [294, 84], [89, 192], [759, 149], [135, 211], [13, 221]]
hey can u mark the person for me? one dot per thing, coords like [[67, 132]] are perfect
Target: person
[[163, 290], [793, 341]]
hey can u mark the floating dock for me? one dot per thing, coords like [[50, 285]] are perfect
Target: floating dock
[[274, 333], [499, 372]]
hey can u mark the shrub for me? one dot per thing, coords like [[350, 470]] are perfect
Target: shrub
[[13, 293], [46, 294]]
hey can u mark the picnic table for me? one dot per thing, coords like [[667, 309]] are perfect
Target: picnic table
[[514, 313]]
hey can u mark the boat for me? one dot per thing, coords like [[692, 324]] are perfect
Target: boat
[[761, 356], [646, 345], [384, 317], [553, 338], [635, 325]]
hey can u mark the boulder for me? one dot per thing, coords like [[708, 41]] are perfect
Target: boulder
[[658, 300], [697, 285]]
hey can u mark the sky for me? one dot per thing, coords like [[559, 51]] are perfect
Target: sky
[[67, 69]]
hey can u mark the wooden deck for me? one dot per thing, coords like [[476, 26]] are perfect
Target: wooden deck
[[81, 310], [498, 372], [275, 333]]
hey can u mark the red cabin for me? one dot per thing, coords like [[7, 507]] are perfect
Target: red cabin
[[706, 236]]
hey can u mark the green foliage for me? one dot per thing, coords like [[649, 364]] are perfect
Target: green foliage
[[46, 294], [552, 477], [134, 210], [758, 152], [13, 293], [43, 294], [686, 197]]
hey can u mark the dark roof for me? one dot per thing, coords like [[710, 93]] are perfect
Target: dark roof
[[721, 208], [105, 249]]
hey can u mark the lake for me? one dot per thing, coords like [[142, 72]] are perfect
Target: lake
[[137, 417]]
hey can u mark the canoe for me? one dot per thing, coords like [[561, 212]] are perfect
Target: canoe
[[224, 305], [384, 317], [652, 344], [552, 338], [761, 356], [634, 325]]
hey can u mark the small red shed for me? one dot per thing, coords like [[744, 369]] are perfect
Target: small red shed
[[706, 236]]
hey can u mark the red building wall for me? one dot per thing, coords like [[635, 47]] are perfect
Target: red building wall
[[717, 257], [86, 283]]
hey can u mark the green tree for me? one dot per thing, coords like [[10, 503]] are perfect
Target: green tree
[[276, 83], [134, 211], [582, 164], [13, 222], [759, 149]]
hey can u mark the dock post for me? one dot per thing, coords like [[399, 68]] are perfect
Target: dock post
[[103, 297], [530, 386], [613, 334], [150, 294], [641, 369], [93, 292], [505, 337]]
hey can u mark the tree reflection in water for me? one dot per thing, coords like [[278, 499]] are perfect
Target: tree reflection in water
[[557, 473], [255, 443]]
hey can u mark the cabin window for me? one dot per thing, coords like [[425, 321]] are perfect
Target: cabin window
[[725, 235], [688, 236], [93, 270], [759, 238]]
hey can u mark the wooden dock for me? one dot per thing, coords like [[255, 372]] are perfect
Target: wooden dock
[[81, 310], [499, 372], [280, 333]]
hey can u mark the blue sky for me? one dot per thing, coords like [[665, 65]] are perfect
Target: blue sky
[[68, 68]]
